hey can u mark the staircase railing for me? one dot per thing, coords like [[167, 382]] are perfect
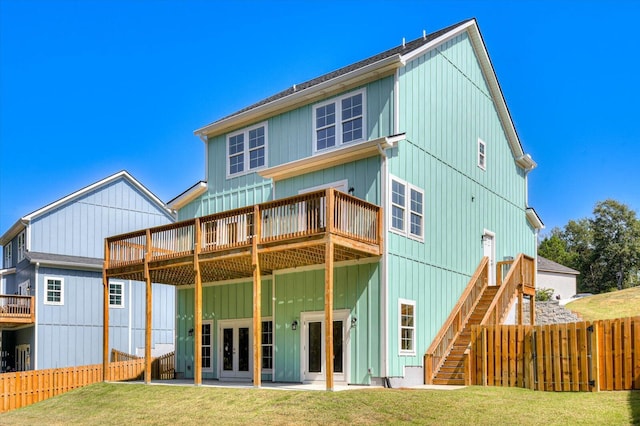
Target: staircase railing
[[520, 274], [455, 323]]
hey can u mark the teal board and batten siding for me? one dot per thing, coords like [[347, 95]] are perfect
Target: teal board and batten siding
[[356, 288], [219, 302], [289, 138], [79, 227], [445, 106]]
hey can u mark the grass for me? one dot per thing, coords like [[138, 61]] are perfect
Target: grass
[[182, 405], [617, 304]]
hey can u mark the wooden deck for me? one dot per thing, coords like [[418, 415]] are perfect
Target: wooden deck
[[16, 311], [292, 232], [318, 228]]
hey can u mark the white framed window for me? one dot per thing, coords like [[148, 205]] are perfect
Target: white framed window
[[407, 321], [116, 295], [339, 121], [267, 345], [8, 255], [247, 150], [482, 154], [207, 345], [22, 245], [407, 209], [54, 291]]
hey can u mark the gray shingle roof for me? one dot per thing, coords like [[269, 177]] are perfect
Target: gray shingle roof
[[408, 47], [546, 265], [60, 259]]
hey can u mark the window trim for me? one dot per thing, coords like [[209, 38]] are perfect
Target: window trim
[[407, 211], [262, 345], [211, 345], [121, 284], [22, 246], [46, 291], [8, 255], [404, 352], [482, 156], [246, 169], [339, 121]]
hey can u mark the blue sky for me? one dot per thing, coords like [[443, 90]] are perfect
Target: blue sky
[[89, 88]]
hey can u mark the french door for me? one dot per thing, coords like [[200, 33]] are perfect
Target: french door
[[313, 350], [235, 349]]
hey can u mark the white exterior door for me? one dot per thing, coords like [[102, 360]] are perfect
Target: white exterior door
[[489, 250], [313, 349], [235, 349]]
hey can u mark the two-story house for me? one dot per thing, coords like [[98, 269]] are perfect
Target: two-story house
[[51, 281], [342, 219]]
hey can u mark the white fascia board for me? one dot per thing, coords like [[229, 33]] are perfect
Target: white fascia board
[[331, 158], [7, 271], [67, 265], [260, 112], [188, 196], [526, 162], [436, 42], [98, 184], [11, 233], [533, 218]]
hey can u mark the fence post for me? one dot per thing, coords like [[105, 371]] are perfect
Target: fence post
[[484, 356], [595, 357]]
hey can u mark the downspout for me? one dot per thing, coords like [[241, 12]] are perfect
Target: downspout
[[35, 350], [205, 139], [130, 315]]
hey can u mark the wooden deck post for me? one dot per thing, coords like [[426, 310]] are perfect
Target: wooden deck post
[[520, 305], [197, 341], [257, 300], [147, 328], [328, 293], [105, 314]]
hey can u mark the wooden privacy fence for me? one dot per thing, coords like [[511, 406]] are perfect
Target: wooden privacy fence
[[582, 356], [24, 388]]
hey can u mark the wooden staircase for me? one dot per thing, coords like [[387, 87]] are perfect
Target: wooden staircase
[[479, 304], [452, 370]]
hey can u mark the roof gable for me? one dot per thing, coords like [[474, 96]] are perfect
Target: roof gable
[[546, 265]]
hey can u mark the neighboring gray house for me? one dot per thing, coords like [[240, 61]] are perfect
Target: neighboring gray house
[[557, 277], [51, 279]]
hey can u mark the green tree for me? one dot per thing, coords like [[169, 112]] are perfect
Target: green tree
[[554, 247]]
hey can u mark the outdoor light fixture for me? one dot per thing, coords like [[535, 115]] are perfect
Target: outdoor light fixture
[[354, 320], [351, 190], [294, 325], [191, 332]]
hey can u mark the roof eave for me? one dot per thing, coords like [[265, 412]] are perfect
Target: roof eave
[[533, 218], [189, 195], [15, 229], [342, 81]]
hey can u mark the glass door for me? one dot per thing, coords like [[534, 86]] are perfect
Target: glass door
[[313, 351], [236, 349]]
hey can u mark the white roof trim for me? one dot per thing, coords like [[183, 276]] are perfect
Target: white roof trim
[[7, 271], [533, 218], [189, 195], [62, 263], [331, 158]]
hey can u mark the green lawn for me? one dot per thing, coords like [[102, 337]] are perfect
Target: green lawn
[[139, 404], [617, 304]]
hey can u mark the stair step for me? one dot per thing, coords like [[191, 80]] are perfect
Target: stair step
[[451, 382]]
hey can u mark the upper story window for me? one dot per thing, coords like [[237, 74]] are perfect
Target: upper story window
[[116, 295], [407, 209], [407, 327], [247, 150], [54, 291], [8, 255], [482, 154], [22, 245], [339, 121]]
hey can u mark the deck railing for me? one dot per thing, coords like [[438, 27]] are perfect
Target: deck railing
[[289, 218], [453, 326], [17, 308]]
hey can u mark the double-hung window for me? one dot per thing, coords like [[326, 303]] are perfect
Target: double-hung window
[[22, 246], [407, 327], [54, 291], [407, 209], [207, 345], [482, 154], [116, 295], [247, 150], [8, 255], [339, 121]]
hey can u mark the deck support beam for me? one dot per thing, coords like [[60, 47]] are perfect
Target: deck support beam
[[105, 314], [257, 302], [197, 342], [328, 292], [147, 328]]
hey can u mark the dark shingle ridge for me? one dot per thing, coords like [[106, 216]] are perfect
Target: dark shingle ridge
[[408, 47]]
